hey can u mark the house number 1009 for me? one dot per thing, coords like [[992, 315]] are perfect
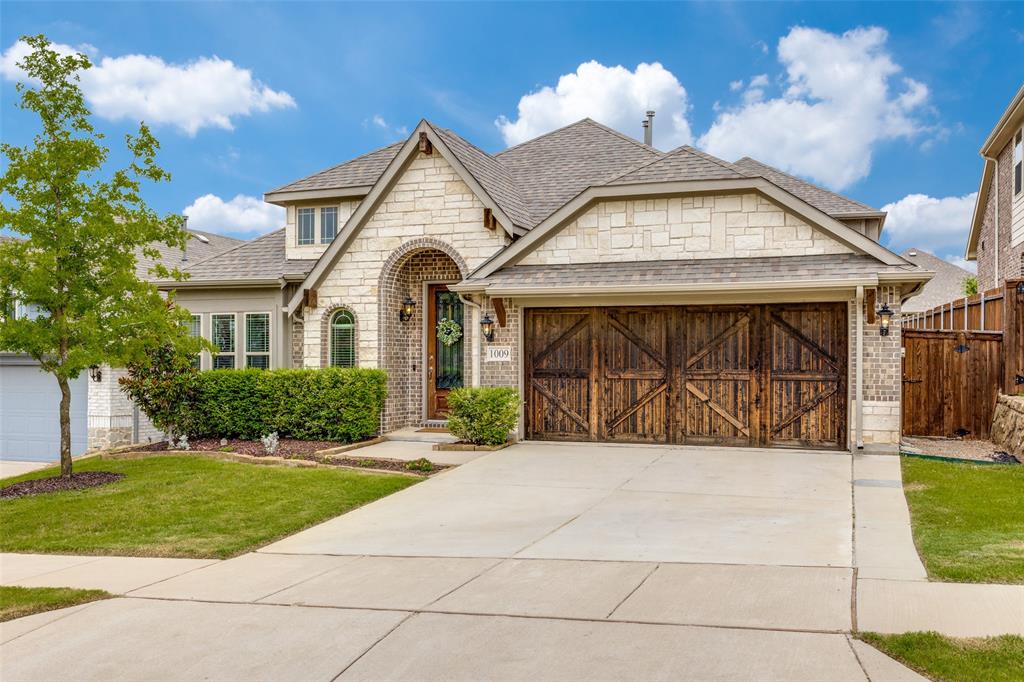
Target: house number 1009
[[499, 353]]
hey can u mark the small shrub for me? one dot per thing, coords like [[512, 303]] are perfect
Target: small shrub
[[421, 464], [270, 443], [227, 448], [165, 387], [182, 443], [483, 416]]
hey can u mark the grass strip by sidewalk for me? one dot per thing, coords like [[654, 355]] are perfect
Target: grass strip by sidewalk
[[16, 602], [949, 659], [968, 519], [184, 507]]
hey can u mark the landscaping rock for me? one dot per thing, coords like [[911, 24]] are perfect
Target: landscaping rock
[[1008, 424]]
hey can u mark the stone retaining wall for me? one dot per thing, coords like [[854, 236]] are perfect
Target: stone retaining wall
[[1008, 424]]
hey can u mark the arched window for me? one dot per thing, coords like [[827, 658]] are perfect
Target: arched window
[[343, 339]]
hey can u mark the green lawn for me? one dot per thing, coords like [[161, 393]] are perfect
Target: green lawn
[[968, 519], [16, 602], [947, 659], [184, 507]]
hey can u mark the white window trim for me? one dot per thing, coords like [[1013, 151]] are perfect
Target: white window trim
[[320, 226], [1019, 135], [270, 339], [298, 225], [330, 335], [318, 239], [235, 354]]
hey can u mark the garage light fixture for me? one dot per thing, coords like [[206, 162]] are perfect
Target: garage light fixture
[[408, 306], [884, 317], [95, 373], [487, 327]]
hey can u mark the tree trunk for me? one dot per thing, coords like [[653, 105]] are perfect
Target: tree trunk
[[65, 427]]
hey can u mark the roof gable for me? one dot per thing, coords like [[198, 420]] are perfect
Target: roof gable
[[362, 171], [683, 163], [831, 203], [553, 168]]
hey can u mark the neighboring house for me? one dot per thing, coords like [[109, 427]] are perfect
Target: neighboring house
[[631, 295], [101, 416], [946, 285], [997, 228]]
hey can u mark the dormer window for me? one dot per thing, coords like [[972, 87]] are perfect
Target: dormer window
[[314, 221], [1018, 162], [307, 226], [328, 224]]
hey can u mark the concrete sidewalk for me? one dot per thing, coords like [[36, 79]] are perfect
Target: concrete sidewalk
[[117, 575]]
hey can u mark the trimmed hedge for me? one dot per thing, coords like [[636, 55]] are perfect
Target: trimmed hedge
[[483, 416], [342, 404]]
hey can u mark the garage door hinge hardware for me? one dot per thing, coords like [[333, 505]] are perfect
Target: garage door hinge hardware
[[962, 348]]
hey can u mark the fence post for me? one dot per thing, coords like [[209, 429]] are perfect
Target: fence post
[[1013, 337], [982, 325]]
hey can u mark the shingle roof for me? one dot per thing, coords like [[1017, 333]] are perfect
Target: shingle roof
[[261, 258], [683, 163], [358, 172], [824, 200], [553, 168], [492, 176], [711, 271], [947, 284], [201, 246]]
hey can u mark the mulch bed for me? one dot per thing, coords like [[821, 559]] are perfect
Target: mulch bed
[[386, 464], [287, 447], [978, 450], [56, 484]]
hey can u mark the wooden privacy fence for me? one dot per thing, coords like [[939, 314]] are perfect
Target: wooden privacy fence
[[950, 382], [957, 358], [978, 313]]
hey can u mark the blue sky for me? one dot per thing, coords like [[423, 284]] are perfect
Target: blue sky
[[885, 102]]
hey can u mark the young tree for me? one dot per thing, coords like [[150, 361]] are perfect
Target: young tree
[[79, 236], [970, 285]]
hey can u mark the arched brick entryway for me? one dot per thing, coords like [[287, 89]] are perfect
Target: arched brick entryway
[[401, 344]]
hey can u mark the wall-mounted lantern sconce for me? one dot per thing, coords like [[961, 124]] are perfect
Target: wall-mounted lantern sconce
[[884, 317], [408, 306], [95, 373], [487, 327]]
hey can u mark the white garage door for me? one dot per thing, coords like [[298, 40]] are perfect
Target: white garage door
[[29, 413]]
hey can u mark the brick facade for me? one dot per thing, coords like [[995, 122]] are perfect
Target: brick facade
[[882, 372], [1011, 258], [725, 226]]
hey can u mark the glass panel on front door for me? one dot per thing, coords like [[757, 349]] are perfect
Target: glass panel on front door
[[448, 372]]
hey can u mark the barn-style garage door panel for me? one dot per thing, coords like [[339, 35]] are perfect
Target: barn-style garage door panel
[[723, 375]]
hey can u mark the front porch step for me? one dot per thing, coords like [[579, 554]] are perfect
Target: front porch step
[[415, 435]]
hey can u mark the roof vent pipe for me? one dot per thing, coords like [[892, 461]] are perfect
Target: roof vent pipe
[[649, 129]]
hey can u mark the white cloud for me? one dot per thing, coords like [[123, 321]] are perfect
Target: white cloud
[[243, 214], [735, 85], [206, 92], [612, 95], [962, 262], [381, 123], [939, 225], [841, 98]]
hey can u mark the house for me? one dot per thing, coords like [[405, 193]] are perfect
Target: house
[[947, 284], [629, 294], [101, 416], [997, 227]]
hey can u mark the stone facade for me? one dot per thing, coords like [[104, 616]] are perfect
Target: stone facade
[[429, 200], [1011, 257], [680, 228]]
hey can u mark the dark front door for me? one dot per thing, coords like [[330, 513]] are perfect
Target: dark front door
[[444, 359]]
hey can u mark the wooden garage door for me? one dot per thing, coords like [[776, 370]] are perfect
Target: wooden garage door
[[723, 375]]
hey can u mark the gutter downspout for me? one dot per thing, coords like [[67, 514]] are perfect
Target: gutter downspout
[[474, 366], [859, 396]]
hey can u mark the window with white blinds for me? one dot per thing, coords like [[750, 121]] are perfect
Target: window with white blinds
[[343, 339], [195, 330], [257, 340], [222, 334]]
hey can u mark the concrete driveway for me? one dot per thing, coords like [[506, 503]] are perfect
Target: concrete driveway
[[540, 561]]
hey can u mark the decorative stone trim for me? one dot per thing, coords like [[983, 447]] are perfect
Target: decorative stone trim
[[1008, 424], [224, 456]]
